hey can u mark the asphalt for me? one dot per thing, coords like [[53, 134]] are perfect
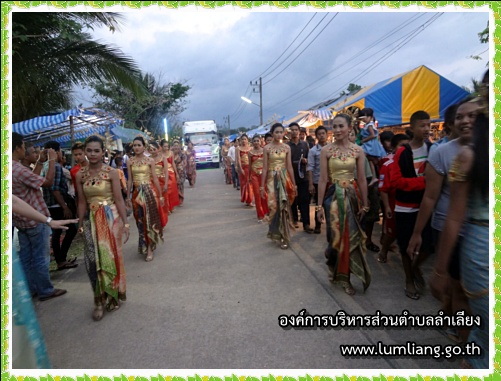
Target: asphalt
[[212, 296]]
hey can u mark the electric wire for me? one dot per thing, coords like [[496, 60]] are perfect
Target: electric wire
[[301, 43], [381, 52], [299, 55], [308, 23], [372, 45]]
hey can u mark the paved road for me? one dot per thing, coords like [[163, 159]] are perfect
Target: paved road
[[212, 296]]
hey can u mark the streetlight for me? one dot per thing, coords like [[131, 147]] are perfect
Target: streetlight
[[166, 129], [260, 108]]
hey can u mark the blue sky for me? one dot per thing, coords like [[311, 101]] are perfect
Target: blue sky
[[219, 52]]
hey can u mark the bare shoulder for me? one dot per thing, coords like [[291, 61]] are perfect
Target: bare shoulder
[[326, 150], [357, 149], [112, 171]]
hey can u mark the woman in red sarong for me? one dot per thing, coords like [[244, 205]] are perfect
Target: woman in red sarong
[[172, 181], [242, 159], [162, 175], [255, 172]]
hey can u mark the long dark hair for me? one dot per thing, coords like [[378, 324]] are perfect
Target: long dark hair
[[479, 174]]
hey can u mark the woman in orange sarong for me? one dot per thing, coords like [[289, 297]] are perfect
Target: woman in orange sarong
[[172, 190], [242, 159], [162, 175], [256, 171]]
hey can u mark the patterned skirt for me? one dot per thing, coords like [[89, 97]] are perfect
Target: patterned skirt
[[280, 198], [173, 192], [103, 230], [149, 224], [261, 203], [346, 251], [245, 186], [163, 210]]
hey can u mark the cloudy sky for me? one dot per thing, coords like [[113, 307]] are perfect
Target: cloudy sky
[[303, 57]]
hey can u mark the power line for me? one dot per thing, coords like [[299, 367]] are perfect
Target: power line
[[366, 49], [290, 63], [301, 43], [308, 23], [376, 63]]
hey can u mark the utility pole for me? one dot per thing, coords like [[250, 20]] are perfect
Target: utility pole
[[227, 122], [259, 90]]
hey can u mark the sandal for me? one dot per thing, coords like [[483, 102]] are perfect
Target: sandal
[[149, 257], [98, 312], [348, 288], [382, 258], [283, 244], [112, 306], [412, 295], [373, 247]]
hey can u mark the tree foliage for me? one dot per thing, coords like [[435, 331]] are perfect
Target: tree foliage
[[351, 89], [145, 112], [52, 52]]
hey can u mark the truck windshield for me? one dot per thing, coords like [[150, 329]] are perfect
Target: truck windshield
[[203, 139]]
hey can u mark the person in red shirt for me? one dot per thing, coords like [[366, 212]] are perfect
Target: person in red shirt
[[80, 161], [387, 193], [407, 177]]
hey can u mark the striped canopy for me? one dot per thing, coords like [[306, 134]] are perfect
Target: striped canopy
[[310, 117], [394, 100], [86, 122]]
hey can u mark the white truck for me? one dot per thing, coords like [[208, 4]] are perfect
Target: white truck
[[203, 135]]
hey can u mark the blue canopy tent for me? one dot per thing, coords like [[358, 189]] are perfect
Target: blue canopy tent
[[72, 125], [394, 100]]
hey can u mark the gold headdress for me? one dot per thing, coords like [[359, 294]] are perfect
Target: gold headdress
[[352, 112]]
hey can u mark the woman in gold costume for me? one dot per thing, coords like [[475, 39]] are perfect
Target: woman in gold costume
[[142, 175], [226, 160], [162, 175], [180, 164], [102, 221], [345, 204], [191, 164], [281, 187], [255, 172]]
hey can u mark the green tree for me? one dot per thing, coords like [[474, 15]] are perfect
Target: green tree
[[483, 36], [352, 88], [52, 52], [145, 112]]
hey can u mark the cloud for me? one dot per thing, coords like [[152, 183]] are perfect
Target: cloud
[[219, 53]]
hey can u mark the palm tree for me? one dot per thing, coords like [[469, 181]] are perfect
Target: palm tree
[[52, 53]]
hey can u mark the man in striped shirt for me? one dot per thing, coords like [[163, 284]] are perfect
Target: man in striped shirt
[[407, 177], [33, 236]]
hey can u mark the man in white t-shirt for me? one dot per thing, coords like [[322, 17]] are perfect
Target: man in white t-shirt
[[234, 174]]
